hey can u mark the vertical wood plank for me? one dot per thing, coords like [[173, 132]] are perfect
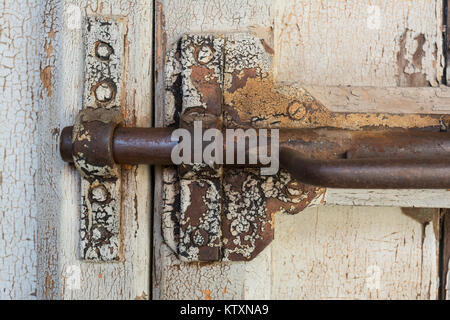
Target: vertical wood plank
[[20, 77], [356, 252], [361, 43], [404, 252], [61, 273], [174, 279], [447, 35], [445, 255]]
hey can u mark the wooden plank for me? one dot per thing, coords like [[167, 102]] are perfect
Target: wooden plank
[[61, 273], [356, 252], [174, 279], [387, 198], [390, 238], [358, 43], [425, 100], [19, 163], [447, 34]]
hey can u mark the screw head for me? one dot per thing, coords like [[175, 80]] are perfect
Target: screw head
[[104, 92], [99, 194], [103, 51], [203, 54], [296, 110]]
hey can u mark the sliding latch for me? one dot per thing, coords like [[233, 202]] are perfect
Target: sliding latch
[[238, 148]]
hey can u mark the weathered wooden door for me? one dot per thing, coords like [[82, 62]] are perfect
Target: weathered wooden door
[[42, 64], [349, 244], [354, 244]]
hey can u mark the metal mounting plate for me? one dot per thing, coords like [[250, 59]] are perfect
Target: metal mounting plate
[[246, 201], [100, 184]]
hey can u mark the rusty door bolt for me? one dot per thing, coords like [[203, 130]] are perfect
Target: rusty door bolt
[[203, 54], [199, 237], [103, 51], [391, 159], [104, 92]]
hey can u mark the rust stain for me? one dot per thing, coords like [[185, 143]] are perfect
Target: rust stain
[[240, 77], [207, 294], [161, 40], [100, 275], [143, 296], [49, 285], [52, 33], [197, 205], [48, 47], [260, 103], [46, 79], [207, 84]]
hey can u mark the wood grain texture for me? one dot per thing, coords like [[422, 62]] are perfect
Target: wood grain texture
[[447, 34], [426, 100], [445, 255], [356, 252], [322, 252], [360, 43], [61, 274], [388, 198], [19, 91]]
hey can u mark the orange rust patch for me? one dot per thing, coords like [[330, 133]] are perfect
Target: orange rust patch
[[206, 82], [48, 47], [49, 284], [143, 296], [52, 33], [207, 294], [46, 79], [100, 276], [260, 103], [239, 78]]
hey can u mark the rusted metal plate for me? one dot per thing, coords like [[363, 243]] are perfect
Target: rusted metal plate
[[200, 184], [100, 185], [202, 63], [240, 201], [247, 224], [200, 234], [249, 97]]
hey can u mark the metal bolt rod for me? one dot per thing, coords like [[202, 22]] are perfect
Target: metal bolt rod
[[368, 173], [322, 157], [143, 145]]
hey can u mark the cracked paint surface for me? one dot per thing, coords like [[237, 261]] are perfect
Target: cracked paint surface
[[20, 87], [100, 219]]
